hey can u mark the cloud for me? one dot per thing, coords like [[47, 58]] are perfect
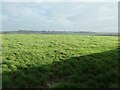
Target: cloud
[[60, 16], [60, 0]]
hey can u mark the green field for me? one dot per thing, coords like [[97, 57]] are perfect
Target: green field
[[59, 61]]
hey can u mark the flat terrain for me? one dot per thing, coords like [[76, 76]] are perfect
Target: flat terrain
[[52, 61]]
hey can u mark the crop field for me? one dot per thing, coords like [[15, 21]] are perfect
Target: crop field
[[59, 61]]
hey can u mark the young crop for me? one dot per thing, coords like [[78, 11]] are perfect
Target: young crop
[[64, 61]]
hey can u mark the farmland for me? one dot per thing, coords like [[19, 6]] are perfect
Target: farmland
[[59, 61]]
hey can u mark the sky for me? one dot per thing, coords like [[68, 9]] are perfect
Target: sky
[[62, 16]]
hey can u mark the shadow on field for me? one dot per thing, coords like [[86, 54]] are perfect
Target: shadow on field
[[90, 71]]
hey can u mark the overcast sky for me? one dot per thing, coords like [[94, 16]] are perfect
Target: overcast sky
[[74, 16]]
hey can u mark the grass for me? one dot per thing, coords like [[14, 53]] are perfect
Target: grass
[[59, 61]]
